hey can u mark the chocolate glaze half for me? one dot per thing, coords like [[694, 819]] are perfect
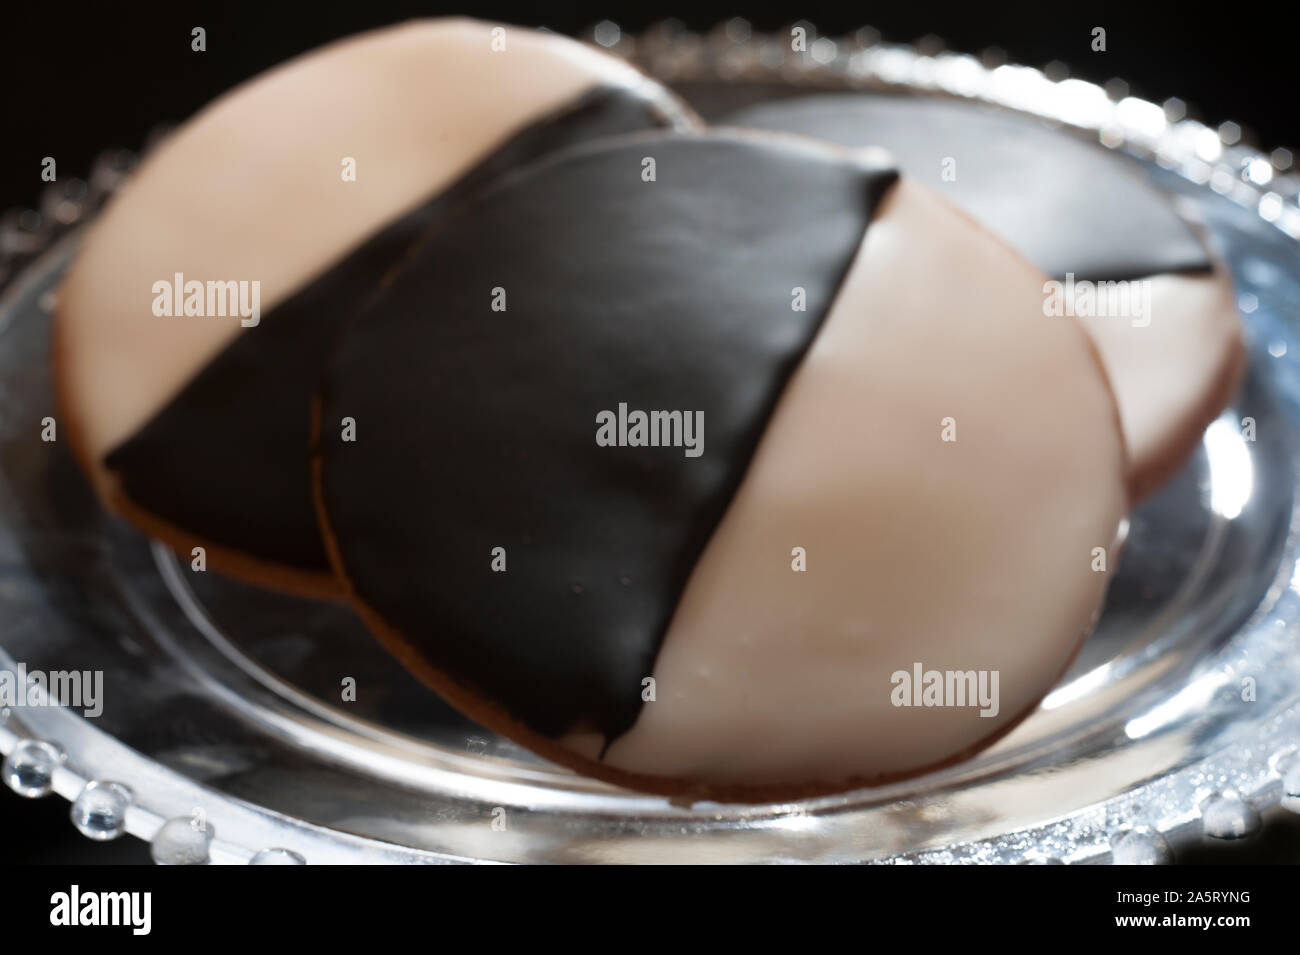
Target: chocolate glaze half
[[1065, 204], [239, 430], [476, 429]]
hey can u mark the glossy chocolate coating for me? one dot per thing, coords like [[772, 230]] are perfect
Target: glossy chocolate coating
[[1064, 203], [239, 430], [476, 428]]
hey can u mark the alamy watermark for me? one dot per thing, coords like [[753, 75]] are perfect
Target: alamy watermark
[[133, 910], [76, 689], [651, 429], [922, 687], [214, 299], [1129, 299]]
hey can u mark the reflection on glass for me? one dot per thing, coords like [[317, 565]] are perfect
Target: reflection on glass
[[1232, 475]]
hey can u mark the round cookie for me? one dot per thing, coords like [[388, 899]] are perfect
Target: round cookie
[[749, 440], [1168, 332], [191, 328]]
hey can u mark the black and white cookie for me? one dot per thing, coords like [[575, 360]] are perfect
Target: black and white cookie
[[1141, 280], [191, 328], [749, 445]]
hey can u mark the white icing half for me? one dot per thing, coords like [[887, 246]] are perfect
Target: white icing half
[[1172, 371], [252, 189], [974, 554]]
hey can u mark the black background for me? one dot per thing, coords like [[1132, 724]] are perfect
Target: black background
[[77, 79], [80, 78]]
